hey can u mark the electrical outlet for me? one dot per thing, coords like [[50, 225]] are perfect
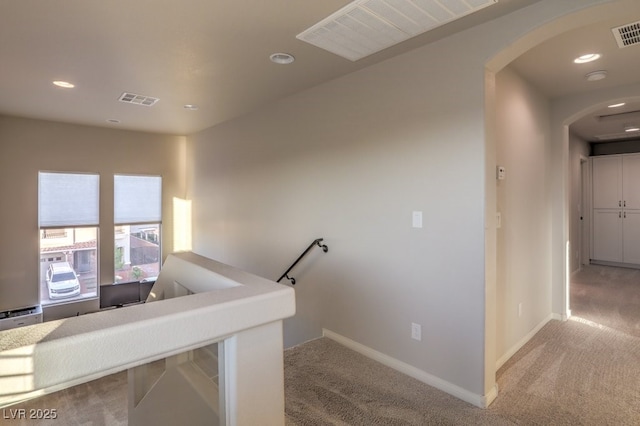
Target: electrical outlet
[[519, 309], [416, 331]]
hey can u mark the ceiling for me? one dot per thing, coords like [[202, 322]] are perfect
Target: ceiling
[[550, 67], [209, 53], [215, 54]]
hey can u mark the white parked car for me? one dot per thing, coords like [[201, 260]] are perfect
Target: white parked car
[[62, 281]]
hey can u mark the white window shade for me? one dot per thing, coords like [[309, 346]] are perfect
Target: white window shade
[[137, 199], [68, 199]]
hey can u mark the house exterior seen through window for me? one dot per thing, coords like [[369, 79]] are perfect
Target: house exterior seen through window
[[138, 219], [68, 220], [68, 210]]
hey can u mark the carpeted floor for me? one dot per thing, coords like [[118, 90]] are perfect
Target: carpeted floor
[[580, 372], [572, 373], [569, 374], [328, 384], [101, 402], [608, 296]]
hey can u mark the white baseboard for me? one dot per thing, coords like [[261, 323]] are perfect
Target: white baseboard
[[515, 348], [482, 401]]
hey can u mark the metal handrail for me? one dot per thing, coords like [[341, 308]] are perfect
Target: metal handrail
[[316, 242]]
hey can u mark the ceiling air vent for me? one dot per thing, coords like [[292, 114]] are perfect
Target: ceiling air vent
[[132, 98], [627, 35], [364, 27]]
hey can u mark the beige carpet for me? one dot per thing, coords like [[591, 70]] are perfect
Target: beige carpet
[[571, 373], [100, 402], [568, 374], [585, 371], [328, 384], [608, 296]]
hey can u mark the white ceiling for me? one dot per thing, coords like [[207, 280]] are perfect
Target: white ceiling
[[211, 53], [549, 66], [215, 54]]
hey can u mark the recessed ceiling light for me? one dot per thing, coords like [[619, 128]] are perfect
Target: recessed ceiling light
[[589, 57], [596, 75], [617, 105], [64, 84], [282, 58], [191, 107], [631, 128]]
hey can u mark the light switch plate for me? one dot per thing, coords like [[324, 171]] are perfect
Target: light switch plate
[[416, 219], [501, 172], [416, 331]]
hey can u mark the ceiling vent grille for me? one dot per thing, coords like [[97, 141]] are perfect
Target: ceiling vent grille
[[627, 35], [132, 98], [364, 27]]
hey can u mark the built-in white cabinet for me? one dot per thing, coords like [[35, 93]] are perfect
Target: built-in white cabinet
[[631, 236], [607, 235], [616, 209], [631, 181]]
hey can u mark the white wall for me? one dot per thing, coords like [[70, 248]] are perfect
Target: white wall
[[349, 161], [28, 146], [523, 199]]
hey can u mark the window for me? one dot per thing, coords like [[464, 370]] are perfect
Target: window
[[68, 216], [138, 220]]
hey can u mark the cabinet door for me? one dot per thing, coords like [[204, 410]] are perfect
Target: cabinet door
[[631, 236], [631, 181], [607, 235], [607, 182]]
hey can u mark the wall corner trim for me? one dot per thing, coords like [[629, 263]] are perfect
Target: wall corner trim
[[481, 401]]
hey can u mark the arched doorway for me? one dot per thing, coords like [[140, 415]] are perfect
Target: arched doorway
[[563, 112]]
